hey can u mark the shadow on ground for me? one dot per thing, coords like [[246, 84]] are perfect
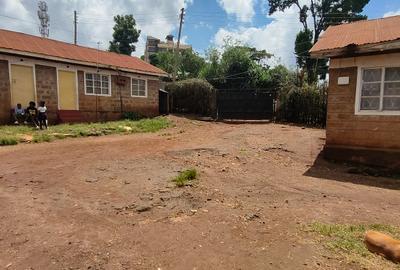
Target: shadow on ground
[[353, 173]]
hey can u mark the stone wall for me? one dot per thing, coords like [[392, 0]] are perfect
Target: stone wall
[[46, 89], [5, 93]]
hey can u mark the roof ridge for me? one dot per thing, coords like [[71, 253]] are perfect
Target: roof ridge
[[367, 20]]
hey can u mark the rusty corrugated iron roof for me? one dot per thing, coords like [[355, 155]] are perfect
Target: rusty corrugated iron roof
[[358, 33], [24, 43]]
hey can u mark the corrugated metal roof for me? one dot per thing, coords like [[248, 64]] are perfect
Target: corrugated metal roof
[[359, 33], [25, 43]]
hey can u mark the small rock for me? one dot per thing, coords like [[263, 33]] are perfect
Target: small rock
[[126, 182], [143, 208]]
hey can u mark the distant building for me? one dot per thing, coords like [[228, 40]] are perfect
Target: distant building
[[155, 45]]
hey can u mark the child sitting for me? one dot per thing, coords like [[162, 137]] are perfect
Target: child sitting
[[32, 114], [19, 115], [42, 115]]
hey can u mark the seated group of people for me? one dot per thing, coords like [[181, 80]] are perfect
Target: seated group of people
[[31, 115]]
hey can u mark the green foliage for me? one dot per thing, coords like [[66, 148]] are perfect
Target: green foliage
[[306, 105], [8, 140], [185, 177], [324, 13], [347, 240], [134, 116], [125, 34], [10, 135], [188, 63], [192, 96]]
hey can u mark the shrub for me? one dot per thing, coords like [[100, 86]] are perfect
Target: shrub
[[192, 96], [306, 105], [184, 177], [134, 116]]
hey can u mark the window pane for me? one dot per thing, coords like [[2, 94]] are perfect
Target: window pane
[[392, 74], [391, 103], [105, 84], [89, 83], [142, 82], [97, 83], [369, 103], [97, 90], [104, 91], [392, 89], [104, 78], [89, 90], [142, 93], [372, 75], [89, 76], [96, 77], [371, 89]]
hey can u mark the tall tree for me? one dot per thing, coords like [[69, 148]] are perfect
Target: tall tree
[[322, 14], [125, 35]]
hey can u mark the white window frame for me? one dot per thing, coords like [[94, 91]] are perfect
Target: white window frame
[[146, 89], [358, 110], [101, 74]]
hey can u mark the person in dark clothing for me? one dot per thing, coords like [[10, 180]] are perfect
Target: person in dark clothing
[[32, 114], [42, 116]]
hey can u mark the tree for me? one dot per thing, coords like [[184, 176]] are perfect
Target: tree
[[323, 13], [188, 63], [125, 35]]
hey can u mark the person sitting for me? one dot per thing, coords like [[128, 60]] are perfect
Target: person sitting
[[32, 114], [42, 116], [19, 115]]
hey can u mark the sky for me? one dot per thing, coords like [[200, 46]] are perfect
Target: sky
[[207, 23]]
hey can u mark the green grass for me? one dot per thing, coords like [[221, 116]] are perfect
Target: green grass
[[185, 177], [348, 241], [10, 135]]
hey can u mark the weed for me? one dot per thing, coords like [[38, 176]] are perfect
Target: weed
[[348, 240], [185, 177], [8, 140], [42, 137]]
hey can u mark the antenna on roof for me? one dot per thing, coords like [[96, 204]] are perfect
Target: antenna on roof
[[44, 19]]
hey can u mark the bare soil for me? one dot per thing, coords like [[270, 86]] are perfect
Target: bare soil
[[109, 203]]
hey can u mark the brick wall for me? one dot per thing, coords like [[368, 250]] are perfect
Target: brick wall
[[371, 140], [103, 108], [46, 89], [347, 129], [5, 93]]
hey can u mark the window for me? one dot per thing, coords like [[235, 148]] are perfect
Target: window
[[380, 90], [139, 88], [97, 84]]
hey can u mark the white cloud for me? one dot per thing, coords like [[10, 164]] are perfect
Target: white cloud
[[277, 37], [391, 13], [242, 9], [95, 18]]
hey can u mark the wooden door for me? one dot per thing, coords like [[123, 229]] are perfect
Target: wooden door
[[67, 96], [22, 85]]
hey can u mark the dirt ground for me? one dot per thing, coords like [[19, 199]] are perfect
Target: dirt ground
[[109, 203]]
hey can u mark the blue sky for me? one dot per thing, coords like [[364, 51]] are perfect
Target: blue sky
[[207, 22]]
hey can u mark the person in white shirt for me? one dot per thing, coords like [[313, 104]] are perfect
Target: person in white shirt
[[42, 115]]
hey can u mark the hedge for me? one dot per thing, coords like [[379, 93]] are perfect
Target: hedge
[[192, 96]]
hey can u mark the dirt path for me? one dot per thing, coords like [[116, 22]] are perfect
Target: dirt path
[[108, 202]]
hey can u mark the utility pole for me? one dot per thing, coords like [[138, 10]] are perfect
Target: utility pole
[[181, 17], [75, 27]]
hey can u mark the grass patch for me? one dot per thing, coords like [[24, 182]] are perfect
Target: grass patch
[[185, 177], [10, 135], [348, 241]]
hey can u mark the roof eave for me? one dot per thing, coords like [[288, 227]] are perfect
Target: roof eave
[[358, 50], [83, 63]]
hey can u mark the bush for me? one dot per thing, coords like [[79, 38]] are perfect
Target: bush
[[8, 140], [134, 116], [305, 105], [185, 177], [192, 96]]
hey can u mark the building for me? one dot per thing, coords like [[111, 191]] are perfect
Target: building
[[363, 121], [155, 45], [77, 83]]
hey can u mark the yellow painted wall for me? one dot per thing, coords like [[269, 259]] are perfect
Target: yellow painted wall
[[67, 90], [22, 85]]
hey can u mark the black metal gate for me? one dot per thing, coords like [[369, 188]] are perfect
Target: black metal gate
[[163, 102], [245, 104]]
